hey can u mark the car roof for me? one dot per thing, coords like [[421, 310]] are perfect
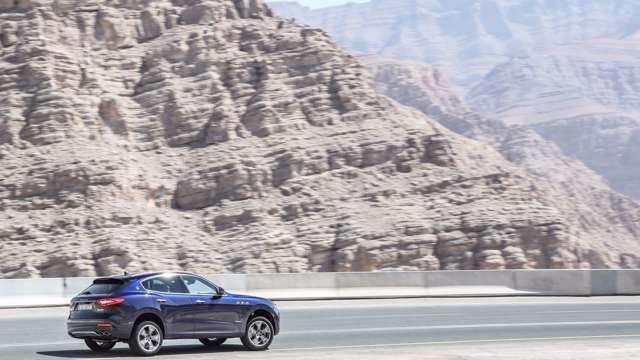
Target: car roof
[[129, 277]]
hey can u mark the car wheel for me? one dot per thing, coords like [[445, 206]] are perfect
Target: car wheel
[[146, 339], [258, 335], [213, 342], [99, 345]]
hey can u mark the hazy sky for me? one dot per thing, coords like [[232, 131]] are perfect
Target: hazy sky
[[323, 3]]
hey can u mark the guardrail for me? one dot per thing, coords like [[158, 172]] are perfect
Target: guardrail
[[316, 286]]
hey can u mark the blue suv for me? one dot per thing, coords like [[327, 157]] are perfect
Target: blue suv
[[145, 309]]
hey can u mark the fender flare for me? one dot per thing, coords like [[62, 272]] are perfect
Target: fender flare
[[252, 311], [148, 310]]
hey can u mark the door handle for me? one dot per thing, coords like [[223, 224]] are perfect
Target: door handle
[[200, 301], [161, 300]]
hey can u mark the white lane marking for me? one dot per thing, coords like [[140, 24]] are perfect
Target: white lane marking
[[452, 302], [4, 346], [583, 311], [470, 326], [460, 342], [389, 316]]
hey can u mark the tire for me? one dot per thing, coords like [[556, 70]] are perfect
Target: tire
[[146, 339], [213, 342], [258, 335], [98, 345]]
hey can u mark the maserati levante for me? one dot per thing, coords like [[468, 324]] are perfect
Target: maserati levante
[[143, 310]]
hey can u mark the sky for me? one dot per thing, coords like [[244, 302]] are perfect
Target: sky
[[323, 3]]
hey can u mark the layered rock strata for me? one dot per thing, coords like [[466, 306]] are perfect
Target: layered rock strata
[[605, 223], [211, 136], [583, 97]]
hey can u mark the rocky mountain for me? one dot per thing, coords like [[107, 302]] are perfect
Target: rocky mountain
[[594, 210], [599, 76], [569, 68], [584, 97], [466, 39], [212, 136]]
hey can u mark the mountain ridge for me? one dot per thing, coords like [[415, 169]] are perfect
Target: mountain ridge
[[466, 41], [582, 96], [567, 69], [213, 137], [595, 211]]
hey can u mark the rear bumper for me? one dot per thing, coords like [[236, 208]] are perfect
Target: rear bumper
[[97, 329]]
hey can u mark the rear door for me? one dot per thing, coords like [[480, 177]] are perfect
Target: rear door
[[174, 302], [213, 314]]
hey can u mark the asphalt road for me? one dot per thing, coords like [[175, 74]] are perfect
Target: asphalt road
[[399, 329]]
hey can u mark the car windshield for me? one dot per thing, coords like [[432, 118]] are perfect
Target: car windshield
[[197, 286]]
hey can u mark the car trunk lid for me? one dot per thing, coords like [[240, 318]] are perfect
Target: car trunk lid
[[102, 288]]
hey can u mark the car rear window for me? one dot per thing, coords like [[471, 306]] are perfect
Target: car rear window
[[103, 286]]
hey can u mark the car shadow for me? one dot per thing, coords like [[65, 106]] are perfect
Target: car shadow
[[124, 352]]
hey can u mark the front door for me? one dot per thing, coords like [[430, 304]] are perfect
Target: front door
[[213, 314]]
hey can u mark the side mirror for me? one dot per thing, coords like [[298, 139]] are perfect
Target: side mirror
[[220, 291]]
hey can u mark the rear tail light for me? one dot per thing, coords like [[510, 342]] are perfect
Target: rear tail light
[[106, 302]]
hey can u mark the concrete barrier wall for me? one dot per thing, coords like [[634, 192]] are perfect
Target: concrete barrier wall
[[235, 282], [470, 278], [17, 287], [627, 282], [291, 281], [605, 282], [554, 282], [380, 279], [28, 292]]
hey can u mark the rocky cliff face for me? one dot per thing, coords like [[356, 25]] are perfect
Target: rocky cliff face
[[466, 39], [609, 143], [563, 82], [212, 136], [584, 97], [606, 224], [570, 67]]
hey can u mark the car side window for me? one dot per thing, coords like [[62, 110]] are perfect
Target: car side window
[[165, 284], [197, 286]]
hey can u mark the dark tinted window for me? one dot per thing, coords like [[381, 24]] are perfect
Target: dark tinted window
[[102, 287], [165, 284]]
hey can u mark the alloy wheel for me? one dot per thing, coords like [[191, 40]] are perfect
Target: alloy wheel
[[259, 333], [149, 338]]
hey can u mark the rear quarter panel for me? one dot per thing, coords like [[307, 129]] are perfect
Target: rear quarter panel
[[136, 305]]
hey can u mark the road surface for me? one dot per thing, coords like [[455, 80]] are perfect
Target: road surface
[[486, 328]]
